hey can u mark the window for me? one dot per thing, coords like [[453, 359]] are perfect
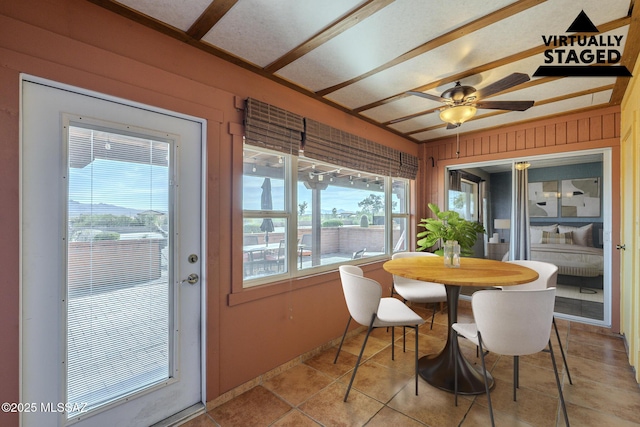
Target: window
[[302, 215], [266, 213], [465, 201], [400, 214], [117, 249]]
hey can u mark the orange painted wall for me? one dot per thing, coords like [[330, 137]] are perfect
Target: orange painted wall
[[78, 43], [599, 128]]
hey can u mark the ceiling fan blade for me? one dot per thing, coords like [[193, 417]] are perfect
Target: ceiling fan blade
[[452, 126], [503, 84], [504, 105], [426, 95]]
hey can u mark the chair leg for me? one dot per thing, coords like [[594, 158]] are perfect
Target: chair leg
[[342, 341], [416, 356], [393, 342], [555, 370], [516, 375], [564, 359], [373, 318], [486, 380]]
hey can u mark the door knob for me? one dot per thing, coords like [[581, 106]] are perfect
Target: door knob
[[192, 279], [618, 247]]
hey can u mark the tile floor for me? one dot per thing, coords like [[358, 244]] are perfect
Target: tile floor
[[604, 391]]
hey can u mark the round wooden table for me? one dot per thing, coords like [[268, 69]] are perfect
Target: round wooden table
[[438, 369]]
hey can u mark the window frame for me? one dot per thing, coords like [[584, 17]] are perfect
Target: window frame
[[474, 193], [405, 214], [286, 213], [290, 213]]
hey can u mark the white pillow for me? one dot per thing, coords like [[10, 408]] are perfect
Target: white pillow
[[536, 235], [552, 228], [582, 236], [536, 231]]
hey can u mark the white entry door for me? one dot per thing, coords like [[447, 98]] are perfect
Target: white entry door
[[111, 260]]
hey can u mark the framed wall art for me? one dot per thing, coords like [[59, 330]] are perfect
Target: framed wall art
[[580, 197], [543, 199]]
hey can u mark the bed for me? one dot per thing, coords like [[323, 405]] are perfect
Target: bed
[[573, 248]]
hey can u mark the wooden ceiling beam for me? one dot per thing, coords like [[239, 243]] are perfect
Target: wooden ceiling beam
[[411, 116], [629, 56], [210, 17], [218, 8], [525, 85], [538, 103], [333, 30], [464, 30], [145, 20], [616, 23]]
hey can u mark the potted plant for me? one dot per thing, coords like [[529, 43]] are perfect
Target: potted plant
[[448, 225]]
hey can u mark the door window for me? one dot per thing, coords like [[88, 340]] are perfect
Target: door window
[[118, 299]]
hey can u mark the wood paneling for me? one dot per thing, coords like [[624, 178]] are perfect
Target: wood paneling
[[595, 128], [584, 127]]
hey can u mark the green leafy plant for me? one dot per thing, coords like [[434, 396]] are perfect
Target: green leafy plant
[[107, 235], [448, 225]]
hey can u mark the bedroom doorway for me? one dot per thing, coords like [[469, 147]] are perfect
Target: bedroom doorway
[[570, 197]]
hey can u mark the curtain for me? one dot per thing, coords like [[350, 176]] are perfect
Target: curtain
[[272, 127], [325, 143], [277, 129], [520, 240], [455, 180]]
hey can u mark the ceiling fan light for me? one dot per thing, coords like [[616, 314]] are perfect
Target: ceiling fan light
[[458, 114]]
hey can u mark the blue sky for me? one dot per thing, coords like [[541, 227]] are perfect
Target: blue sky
[[126, 184], [333, 197], [130, 185]]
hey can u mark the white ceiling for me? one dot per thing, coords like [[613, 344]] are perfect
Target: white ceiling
[[364, 55]]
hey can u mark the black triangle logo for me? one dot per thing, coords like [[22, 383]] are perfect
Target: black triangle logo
[[582, 24]]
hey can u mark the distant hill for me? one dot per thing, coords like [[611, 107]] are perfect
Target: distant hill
[[77, 209]]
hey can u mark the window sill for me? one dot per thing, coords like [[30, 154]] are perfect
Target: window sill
[[294, 283]]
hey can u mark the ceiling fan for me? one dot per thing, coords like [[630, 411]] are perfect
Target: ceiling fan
[[463, 101]]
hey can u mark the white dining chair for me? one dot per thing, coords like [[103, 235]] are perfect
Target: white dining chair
[[547, 278], [511, 324], [367, 307], [416, 290]]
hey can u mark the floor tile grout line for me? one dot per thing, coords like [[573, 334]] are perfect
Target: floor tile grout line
[[566, 337]]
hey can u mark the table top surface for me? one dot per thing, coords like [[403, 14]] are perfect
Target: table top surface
[[472, 271], [261, 247]]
